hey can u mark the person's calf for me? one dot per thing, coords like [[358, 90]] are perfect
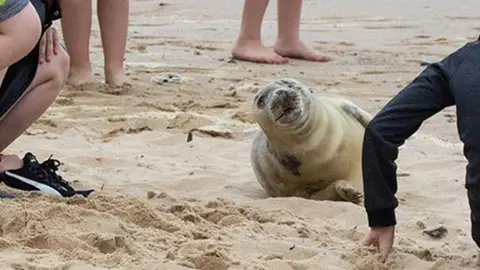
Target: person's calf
[[47, 84]]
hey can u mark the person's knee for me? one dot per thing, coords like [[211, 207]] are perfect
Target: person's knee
[[59, 68]]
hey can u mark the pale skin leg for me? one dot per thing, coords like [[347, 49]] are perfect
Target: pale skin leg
[[50, 78], [76, 28], [76, 25], [336, 191], [113, 19], [19, 43], [249, 46], [288, 41]]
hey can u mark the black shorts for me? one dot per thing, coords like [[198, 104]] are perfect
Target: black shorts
[[20, 75]]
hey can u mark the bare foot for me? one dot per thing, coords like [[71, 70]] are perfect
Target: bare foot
[[255, 51], [299, 50], [115, 77], [78, 77]]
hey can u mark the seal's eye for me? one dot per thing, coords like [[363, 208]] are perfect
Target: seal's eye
[[261, 102]]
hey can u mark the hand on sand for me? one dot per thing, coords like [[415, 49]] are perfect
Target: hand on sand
[[382, 238], [49, 45]]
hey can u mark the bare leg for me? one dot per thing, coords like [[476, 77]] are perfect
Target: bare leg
[[113, 20], [288, 41], [49, 80], [14, 43], [248, 46], [10, 162], [339, 190], [76, 26], [18, 44]]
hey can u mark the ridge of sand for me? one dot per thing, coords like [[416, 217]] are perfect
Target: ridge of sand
[[165, 203]]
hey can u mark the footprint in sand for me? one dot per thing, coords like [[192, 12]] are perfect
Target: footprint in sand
[[395, 26], [437, 141]]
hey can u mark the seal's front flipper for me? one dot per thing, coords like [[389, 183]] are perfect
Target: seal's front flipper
[[339, 190], [348, 192], [359, 114], [327, 194]]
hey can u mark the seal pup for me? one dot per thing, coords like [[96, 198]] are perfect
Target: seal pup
[[308, 145]]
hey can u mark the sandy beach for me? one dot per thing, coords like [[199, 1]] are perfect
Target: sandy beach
[[165, 203]]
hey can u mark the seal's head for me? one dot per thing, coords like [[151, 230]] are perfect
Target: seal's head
[[281, 103]]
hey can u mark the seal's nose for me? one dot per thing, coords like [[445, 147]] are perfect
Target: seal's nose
[[281, 92], [286, 95]]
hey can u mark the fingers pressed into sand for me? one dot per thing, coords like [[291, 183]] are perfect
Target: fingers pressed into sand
[[382, 238], [368, 240], [384, 250], [373, 240]]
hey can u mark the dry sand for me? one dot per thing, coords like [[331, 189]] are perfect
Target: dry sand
[[169, 204]]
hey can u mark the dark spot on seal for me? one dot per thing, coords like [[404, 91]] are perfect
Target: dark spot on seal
[[290, 85], [291, 164], [286, 83]]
